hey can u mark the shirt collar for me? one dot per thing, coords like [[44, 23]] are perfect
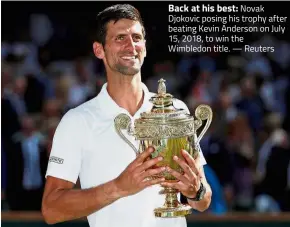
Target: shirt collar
[[113, 109]]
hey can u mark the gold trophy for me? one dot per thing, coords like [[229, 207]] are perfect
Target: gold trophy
[[168, 130]]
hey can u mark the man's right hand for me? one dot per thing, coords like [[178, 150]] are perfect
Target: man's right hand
[[135, 177]]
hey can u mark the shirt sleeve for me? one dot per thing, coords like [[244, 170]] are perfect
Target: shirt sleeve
[[66, 152], [181, 105]]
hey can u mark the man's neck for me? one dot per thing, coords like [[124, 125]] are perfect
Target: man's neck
[[127, 92]]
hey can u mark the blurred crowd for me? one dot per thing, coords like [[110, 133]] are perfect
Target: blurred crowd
[[247, 147]]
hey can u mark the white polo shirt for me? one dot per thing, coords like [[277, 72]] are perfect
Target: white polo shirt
[[86, 145]]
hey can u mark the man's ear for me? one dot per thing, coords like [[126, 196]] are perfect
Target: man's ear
[[98, 50]]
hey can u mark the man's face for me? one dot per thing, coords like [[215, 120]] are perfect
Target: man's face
[[125, 49]]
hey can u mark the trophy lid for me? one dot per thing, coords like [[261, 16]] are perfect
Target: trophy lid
[[163, 104], [163, 120]]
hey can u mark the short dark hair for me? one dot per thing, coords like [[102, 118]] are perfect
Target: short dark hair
[[115, 13]]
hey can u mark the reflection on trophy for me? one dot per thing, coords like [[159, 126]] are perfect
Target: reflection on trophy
[[168, 130]]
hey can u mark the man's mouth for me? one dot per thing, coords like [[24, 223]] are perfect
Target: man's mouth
[[129, 57]]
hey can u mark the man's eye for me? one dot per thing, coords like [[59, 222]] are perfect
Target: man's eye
[[120, 37], [137, 38]]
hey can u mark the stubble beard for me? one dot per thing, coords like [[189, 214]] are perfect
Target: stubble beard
[[127, 71]]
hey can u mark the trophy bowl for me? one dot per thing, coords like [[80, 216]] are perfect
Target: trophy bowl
[[168, 130]]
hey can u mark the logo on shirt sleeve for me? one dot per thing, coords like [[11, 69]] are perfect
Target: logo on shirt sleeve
[[56, 160]]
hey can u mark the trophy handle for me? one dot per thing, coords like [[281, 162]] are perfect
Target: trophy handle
[[202, 113], [123, 121]]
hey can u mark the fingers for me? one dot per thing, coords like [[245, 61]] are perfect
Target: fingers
[[143, 156], [179, 185], [183, 165], [179, 176], [153, 182], [194, 180], [170, 185], [151, 172], [148, 164], [187, 190], [191, 162]]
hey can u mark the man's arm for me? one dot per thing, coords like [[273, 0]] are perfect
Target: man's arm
[[205, 202], [62, 203]]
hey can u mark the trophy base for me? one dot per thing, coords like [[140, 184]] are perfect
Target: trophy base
[[166, 212], [172, 207]]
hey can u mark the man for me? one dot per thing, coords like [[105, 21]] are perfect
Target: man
[[115, 186]]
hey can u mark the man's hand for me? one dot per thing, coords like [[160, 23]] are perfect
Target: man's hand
[[63, 202], [136, 176], [189, 182]]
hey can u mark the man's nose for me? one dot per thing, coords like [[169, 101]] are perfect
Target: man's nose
[[130, 44]]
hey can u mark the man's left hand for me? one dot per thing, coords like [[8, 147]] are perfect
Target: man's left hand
[[189, 182]]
